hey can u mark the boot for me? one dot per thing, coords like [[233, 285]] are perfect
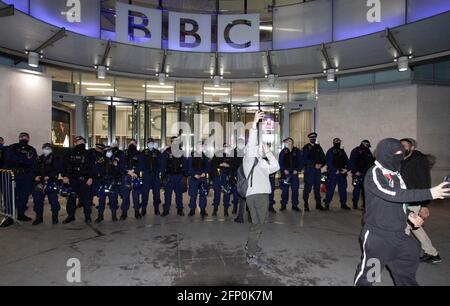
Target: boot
[[225, 212], [165, 213], [69, 220], [114, 215], [319, 206], [55, 219], [124, 216], [295, 208], [157, 212], [192, 212], [355, 205], [215, 212], [180, 212], [24, 218], [203, 213], [99, 218], [137, 214], [283, 208], [272, 210], [327, 205], [234, 210], [88, 220], [306, 207], [344, 206], [39, 220], [144, 212]]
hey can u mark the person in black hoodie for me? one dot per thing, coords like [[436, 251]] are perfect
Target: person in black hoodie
[[384, 239], [416, 174]]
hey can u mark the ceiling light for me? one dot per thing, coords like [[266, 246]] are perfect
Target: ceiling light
[[215, 94], [266, 96], [273, 91], [33, 59], [331, 75], [93, 84], [217, 81], [100, 89], [161, 91], [159, 86], [403, 63], [162, 79], [101, 72], [218, 88]]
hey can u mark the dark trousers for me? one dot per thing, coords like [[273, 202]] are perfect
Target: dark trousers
[[174, 184], [341, 181], [84, 193], [398, 251], [24, 188], [194, 185], [294, 186], [358, 191], [125, 191], [39, 197], [113, 202], [218, 182], [151, 182], [312, 179]]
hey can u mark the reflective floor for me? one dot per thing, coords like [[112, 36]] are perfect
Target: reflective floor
[[320, 248]]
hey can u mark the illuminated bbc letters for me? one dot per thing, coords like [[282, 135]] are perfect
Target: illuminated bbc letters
[[189, 32], [139, 26], [238, 33]]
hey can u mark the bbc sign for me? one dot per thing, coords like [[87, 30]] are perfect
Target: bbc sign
[[294, 26]]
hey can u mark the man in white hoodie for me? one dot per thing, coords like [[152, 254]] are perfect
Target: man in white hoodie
[[258, 163]]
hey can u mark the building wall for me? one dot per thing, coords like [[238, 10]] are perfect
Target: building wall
[[398, 110], [25, 103], [433, 127]]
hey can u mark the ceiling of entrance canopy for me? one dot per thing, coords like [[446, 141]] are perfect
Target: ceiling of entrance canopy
[[21, 32]]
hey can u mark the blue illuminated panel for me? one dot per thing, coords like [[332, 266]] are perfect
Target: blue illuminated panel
[[21, 5], [420, 9], [80, 16], [353, 18]]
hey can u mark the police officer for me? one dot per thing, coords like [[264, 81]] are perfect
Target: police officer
[[99, 158], [46, 173], [2, 153], [21, 158], [222, 170], [131, 180], [198, 169], [290, 166], [361, 160], [110, 172], [79, 172], [337, 164], [313, 161], [152, 176], [173, 169]]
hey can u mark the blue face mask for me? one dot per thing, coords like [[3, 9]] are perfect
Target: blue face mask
[[109, 154], [151, 146]]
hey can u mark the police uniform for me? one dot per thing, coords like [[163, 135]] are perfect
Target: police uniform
[[79, 167], [152, 178], [312, 155], [21, 159], [173, 169], [3, 156], [133, 161], [221, 176], [361, 160], [337, 164], [197, 165], [290, 160], [99, 158], [109, 172], [46, 166]]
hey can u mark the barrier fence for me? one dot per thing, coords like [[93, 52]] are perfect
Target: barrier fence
[[7, 198]]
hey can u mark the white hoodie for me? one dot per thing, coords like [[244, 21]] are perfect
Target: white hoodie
[[261, 181]]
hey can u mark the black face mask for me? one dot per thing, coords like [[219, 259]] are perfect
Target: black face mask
[[24, 142], [132, 148], [385, 154], [313, 140], [336, 145], [80, 147]]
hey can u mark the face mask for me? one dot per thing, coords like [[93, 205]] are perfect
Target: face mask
[[285, 146], [132, 147], [23, 141], [313, 140], [80, 146], [151, 146], [397, 162], [337, 145], [47, 152], [109, 154]]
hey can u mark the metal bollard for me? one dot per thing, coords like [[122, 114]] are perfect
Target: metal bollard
[[7, 198]]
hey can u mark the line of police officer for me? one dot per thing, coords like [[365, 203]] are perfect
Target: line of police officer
[[109, 173]]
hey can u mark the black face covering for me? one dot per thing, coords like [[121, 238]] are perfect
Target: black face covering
[[23, 141], [385, 154], [336, 145], [313, 140], [132, 148], [80, 147]]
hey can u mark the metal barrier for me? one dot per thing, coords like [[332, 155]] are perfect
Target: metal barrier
[[7, 198]]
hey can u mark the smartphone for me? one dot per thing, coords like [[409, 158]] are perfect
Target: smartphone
[[447, 179]]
